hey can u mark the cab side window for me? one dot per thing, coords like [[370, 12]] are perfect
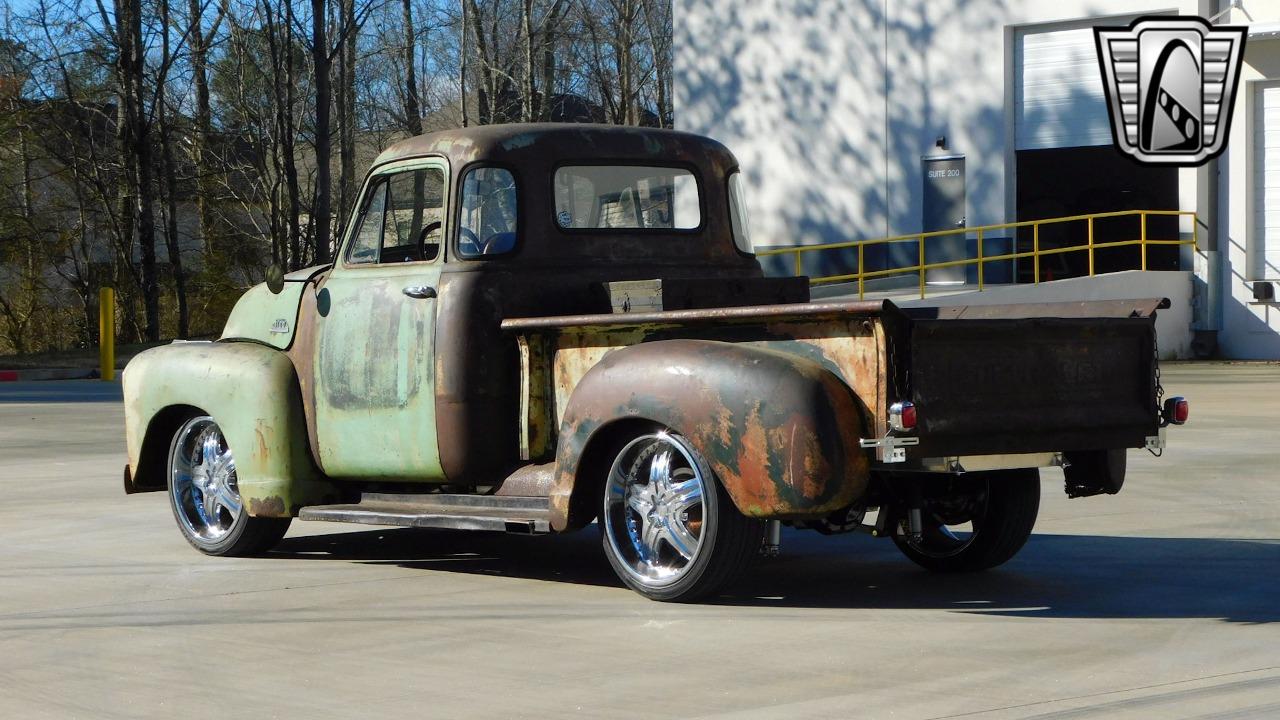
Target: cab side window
[[367, 241], [402, 220], [488, 220]]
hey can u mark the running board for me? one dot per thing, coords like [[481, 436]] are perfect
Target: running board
[[501, 513]]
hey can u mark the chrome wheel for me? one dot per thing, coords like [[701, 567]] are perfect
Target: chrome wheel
[[203, 489], [654, 508]]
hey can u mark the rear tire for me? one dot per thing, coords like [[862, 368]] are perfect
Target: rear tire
[[1001, 508], [205, 496], [668, 527]]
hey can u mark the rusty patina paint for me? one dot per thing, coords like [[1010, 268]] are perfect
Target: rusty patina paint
[[657, 320], [823, 389], [302, 351], [855, 350], [779, 430], [269, 507]]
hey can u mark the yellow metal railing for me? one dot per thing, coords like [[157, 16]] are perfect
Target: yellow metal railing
[[922, 267]]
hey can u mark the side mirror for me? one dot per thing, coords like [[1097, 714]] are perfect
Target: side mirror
[[275, 279]]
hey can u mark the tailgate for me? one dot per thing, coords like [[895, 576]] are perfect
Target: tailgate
[[1038, 378]]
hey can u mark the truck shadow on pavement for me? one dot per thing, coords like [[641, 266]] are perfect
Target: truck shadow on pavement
[[1055, 576]]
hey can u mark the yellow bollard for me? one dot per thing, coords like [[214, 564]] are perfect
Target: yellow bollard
[[107, 333]]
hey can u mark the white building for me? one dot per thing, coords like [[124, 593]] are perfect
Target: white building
[[834, 108]]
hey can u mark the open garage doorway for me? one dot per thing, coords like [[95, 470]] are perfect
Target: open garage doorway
[[1060, 182]]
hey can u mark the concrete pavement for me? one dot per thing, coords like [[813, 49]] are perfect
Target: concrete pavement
[[1160, 602]]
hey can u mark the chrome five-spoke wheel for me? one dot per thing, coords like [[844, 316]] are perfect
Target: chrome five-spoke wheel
[[205, 494], [206, 498], [668, 532]]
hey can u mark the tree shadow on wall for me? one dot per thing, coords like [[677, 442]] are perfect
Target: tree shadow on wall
[[817, 96]]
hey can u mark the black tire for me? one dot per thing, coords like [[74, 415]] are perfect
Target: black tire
[[727, 540], [220, 531], [1004, 509]]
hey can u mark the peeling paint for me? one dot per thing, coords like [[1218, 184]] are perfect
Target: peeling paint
[[268, 507], [779, 430]]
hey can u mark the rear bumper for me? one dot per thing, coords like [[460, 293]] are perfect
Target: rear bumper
[[982, 463]]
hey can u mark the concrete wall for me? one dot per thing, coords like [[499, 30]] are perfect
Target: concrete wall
[[830, 104]]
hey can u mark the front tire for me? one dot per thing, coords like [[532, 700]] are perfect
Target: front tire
[[669, 530], [979, 522], [205, 496]]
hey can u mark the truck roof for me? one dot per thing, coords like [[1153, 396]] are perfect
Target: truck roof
[[525, 144], [533, 152]]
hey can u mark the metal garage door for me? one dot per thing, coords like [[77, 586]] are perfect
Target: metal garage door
[[1266, 183], [1058, 94]]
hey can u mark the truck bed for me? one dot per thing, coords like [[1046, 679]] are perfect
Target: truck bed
[[985, 380]]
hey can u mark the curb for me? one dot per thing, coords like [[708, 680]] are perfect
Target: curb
[[47, 374]]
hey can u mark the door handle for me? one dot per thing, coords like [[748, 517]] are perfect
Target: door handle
[[420, 292]]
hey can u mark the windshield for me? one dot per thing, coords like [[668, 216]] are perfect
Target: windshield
[[626, 197]]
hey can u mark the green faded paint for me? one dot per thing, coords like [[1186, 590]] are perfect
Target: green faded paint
[[374, 368], [251, 391], [266, 317]]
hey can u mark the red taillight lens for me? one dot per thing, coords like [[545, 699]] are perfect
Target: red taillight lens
[[1176, 410], [909, 416], [902, 416]]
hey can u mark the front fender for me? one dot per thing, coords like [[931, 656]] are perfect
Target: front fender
[[780, 431], [251, 390]]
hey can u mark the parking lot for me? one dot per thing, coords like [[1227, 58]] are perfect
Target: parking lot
[[1159, 602]]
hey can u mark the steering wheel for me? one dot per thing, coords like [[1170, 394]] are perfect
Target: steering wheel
[[427, 230], [468, 244], [499, 243], [424, 240]]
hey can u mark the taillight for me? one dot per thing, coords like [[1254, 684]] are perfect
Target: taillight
[[1176, 410], [902, 416]]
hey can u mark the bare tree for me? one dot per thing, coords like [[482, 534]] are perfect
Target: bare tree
[[169, 173], [322, 61], [137, 189], [412, 105], [200, 41], [137, 112], [658, 30], [346, 109]]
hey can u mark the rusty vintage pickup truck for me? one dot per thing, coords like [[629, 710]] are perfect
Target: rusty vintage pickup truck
[[537, 328]]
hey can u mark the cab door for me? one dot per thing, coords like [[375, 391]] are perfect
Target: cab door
[[374, 361]]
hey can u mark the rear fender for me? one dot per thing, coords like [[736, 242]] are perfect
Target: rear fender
[[251, 390], [780, 431]]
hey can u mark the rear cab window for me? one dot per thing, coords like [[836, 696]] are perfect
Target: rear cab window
[[626, 197]]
